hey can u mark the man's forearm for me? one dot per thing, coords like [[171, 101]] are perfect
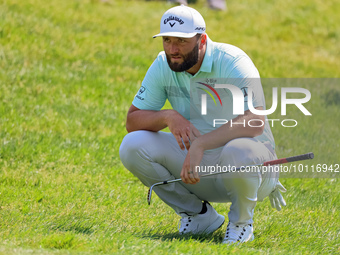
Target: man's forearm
[[147, 120], [228, 132]]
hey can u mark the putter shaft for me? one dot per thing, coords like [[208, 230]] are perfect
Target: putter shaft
[[309, 155]]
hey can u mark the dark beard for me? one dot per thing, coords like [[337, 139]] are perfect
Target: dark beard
[[189, 60]]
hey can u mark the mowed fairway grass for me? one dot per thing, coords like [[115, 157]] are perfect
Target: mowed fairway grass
[[68, 73]]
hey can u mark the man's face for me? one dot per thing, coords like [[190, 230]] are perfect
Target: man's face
[[181, 53]]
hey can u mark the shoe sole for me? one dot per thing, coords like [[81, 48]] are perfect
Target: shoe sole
[[215, 225], [251, 238], [238, 243]]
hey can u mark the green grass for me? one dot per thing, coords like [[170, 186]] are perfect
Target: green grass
[[68, 73]]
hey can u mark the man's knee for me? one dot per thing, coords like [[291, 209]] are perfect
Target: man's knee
[[145, 146], [130, 146], [243, 152]]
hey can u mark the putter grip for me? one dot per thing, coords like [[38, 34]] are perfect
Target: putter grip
[[290, 159]]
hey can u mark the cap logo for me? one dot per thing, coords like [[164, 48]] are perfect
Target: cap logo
[[200, 28], [180, 21]]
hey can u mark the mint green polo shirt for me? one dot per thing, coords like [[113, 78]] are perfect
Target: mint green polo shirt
[[220, 61]]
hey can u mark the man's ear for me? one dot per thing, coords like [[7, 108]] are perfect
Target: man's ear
[[203, 40]]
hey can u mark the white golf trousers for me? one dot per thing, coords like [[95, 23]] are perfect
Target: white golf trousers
[[155, 157]]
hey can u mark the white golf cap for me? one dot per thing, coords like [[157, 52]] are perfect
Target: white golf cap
[[181, 21]]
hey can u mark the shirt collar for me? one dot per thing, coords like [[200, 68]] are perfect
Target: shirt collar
[[208, 57]]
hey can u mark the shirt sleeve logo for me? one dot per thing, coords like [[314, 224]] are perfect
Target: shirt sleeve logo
[[140, 92]]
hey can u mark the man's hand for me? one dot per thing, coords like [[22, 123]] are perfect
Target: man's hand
[[182, 129], [276, 199], [194, 157]]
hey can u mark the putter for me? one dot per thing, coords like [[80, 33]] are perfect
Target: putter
[[309, 155]]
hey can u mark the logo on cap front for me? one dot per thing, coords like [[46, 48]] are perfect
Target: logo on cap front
[[170, 18]]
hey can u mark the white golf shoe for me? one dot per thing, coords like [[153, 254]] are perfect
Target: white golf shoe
[[238, 233], [201, 223]]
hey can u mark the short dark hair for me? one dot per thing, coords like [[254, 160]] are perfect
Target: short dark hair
[[198, 36]]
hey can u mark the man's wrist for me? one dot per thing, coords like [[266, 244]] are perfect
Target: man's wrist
[[199, 143], [167, 115]]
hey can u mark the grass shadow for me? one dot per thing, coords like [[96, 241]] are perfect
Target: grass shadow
[[332, 98], [215, 238], [75, 227]]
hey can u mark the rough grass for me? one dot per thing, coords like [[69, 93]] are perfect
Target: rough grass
[[68, 73]]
